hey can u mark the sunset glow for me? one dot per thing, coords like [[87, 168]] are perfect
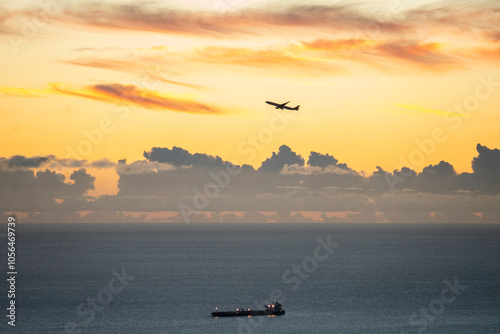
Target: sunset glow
[[381, 86]]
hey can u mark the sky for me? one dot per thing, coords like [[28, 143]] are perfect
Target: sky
[[90, 90]]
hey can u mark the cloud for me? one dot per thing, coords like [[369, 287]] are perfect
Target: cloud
[[142, 97], [102, 163], [5, 15], [285, 178], [144, 17], [440, 38], [442, 178], [109, 64], [152, 18], [436, 37], [321, 160], [491, 52], [327, 57], [438, 178], [20, 161], [296, 169], [325, 160], [380, 53], [339, 45], [170, 177], [82, 182], [457, 17], [486, 166], [134, 64], [277, 161], [181, 157], [408, 202], [379, 180], [494, 36], [73, 163], [50, 161], [276, 58], [179, 83], [429, 55], [143, 167], [111, 93], [23, 190], [23, 92]]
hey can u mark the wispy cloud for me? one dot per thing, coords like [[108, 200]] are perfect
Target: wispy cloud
[[133, 61], [429, 55], [153, 18], [442, 37], [109, 64], [288, 58], [322, 57], [452, 17], [23, 92], [494, 36], [130, 64], [420, 54], [142, 97], [113, 92]]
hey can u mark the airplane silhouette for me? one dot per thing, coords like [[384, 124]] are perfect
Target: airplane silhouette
[[282, 106]]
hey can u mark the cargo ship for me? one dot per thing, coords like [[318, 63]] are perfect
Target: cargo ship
[[271, 310]]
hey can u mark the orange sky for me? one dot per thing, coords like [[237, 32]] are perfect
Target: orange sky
[[377, 84]]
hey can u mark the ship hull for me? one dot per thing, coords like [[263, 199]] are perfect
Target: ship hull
[[246, 313]]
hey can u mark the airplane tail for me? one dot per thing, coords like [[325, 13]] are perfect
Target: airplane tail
[[296, 108]]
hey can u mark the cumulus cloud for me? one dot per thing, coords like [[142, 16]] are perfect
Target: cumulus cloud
[[438, 178], [321, 160], [180, 157], [25, 190], [486, 165], [82, 182], [325, 160], [277, 161], [171, 177]]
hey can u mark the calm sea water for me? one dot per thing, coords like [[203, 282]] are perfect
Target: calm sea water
[[380, 279]]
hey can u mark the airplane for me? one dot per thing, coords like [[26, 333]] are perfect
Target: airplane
[[282, 106]]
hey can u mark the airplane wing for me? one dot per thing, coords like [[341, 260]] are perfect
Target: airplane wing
[[281, 106], [272, 103]]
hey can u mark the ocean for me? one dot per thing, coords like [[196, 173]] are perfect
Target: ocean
[[330, 278]]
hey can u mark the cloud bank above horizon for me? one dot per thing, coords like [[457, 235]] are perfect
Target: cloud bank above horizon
[[285, 185]]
